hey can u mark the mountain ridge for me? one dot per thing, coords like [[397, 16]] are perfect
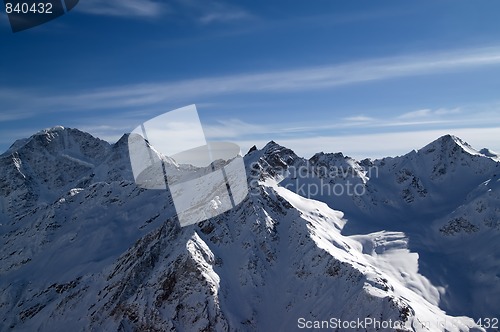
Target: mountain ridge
[[103, 253]]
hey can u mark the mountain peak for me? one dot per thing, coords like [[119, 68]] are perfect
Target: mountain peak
[[252, 149], [58, 138], [451, 139], [273, 157], [47, 133], [321, 156], [448, 144], [56, 157], [51, 130], [274, 148], [271, 145], [123, 140]]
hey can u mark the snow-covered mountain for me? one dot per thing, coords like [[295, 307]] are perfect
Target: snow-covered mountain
[[444, 197], [415, 248]]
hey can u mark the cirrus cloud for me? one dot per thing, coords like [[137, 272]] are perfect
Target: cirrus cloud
[[123, 8], [425, 113]]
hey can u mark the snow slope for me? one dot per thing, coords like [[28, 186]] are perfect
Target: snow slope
[[444, 198]]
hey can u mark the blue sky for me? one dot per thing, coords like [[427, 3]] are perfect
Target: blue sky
[[368, 78]]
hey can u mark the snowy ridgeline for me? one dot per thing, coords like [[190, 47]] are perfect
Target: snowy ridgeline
[[412, 246]]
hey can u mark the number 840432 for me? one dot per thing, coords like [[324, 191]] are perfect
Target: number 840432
[[26, 8]]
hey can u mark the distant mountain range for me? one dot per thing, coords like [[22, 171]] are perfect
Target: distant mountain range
[[410, 243]]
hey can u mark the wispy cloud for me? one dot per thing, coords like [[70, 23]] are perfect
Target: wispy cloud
[[15, 115], [473, 115], [225, 16], [123, 8], [427, 113], [234, 128], [359, 118], [209, 11], [292, 80], [202, 12]]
